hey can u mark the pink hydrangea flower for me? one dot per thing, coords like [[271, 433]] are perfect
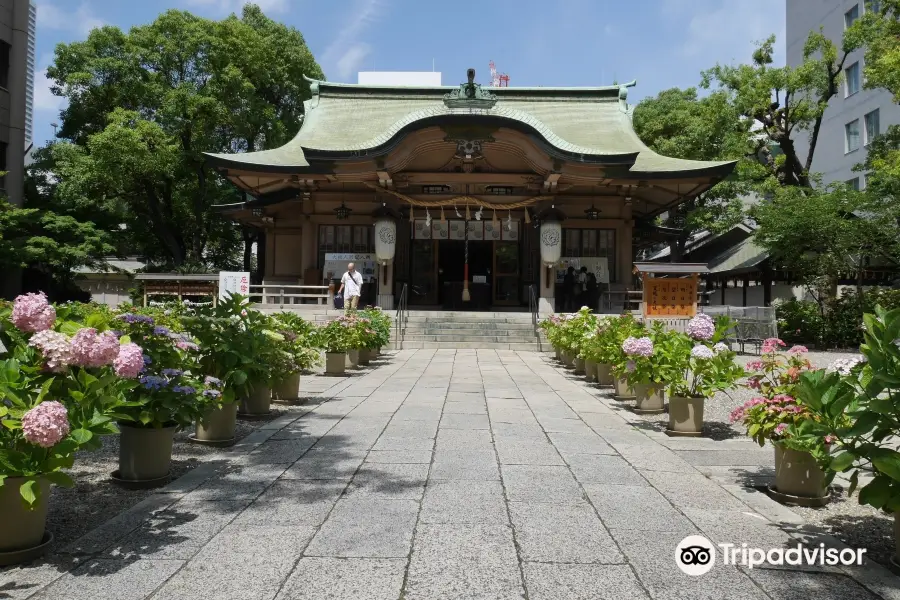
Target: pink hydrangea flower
[[701, 327], [32, 313], [781, 428], [755, 365], [90, 349], [46, 424], [753, 383], [798, 350], [130, 361], [638, 346], [55, 348], [771, 345]]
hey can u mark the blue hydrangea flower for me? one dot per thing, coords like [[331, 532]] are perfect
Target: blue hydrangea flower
[[184, 389], [160, 330], [172, 372], [212, 393], [130, 318], [147, 360], [213, 381], [153, 382]]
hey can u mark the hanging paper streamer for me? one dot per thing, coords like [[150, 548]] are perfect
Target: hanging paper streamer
[[443, 220]]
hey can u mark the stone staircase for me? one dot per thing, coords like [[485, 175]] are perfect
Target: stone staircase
[[451, 330]]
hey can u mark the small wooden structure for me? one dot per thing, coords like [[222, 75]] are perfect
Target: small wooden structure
[[174, 284], [670, 291]]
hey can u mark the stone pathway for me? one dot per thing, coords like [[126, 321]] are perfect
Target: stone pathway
[[448, 474]]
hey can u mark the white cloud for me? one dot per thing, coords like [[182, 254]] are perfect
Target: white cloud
[[80, 21], [346, 52], [230, 6], [724, 30], [44, 100]]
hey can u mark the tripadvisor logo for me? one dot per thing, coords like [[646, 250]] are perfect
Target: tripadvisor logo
[[696, 555]]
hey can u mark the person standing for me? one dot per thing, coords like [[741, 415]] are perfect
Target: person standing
[[351, 284], [569, 290]]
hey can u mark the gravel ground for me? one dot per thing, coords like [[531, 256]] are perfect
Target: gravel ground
[[856, 525], [95, 498]]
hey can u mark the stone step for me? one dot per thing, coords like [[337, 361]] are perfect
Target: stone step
[[506, 339], [494, 330], [533, 347]]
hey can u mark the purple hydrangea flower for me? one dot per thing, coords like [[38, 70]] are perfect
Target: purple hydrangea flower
[[172, 372], [702, 352], [213, 381], [630, 366], [131, 319], [184, 389], [160, 330], [701, 327], [212, 393], [153, 382]]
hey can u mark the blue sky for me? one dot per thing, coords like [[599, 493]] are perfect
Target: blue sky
[[661, 43]]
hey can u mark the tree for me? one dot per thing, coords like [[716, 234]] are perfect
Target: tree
[[53, 244], [783, 100], [879, 32], [144, 106], [680, 124], [825, 234]]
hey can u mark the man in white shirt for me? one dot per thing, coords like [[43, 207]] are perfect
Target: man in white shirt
[[351, 284]]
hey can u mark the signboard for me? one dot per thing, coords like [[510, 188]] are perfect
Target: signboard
[[597, 265], [670, 297], [336, 265], [233, 282]]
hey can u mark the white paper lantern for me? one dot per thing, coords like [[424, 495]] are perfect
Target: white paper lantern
[[385, 240], [551, 242]]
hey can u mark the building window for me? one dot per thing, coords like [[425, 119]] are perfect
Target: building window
[[851, 15], [873, 6], [851, 134], [873, 127], [344, 238], [582, 243], [500, 190], [4, 64], [853, 183], [435, 189], [852, 75]]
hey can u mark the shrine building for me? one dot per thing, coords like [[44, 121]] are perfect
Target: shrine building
[[497, 190]]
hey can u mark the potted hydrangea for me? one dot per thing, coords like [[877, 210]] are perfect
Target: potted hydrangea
[[854, 404], [170, 397], [582, 323], [704, 365], [380, 324], [298, 355], [335, 338], [774, 414], [234, 346], [552, 328], [60, 394], [646, 367]]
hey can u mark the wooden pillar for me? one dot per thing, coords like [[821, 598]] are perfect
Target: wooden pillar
[[308, 249], [767, 285], [724, 285], [746, 284]]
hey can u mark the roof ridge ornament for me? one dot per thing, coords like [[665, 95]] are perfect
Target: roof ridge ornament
[[623, 94], [470, 95]]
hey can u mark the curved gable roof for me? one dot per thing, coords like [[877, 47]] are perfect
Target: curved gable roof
[[583, 124]]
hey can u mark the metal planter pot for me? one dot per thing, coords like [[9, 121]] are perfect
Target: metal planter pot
[[797, 474], [288, 389], [686, 416], [353, 358], [365, 356], [258, 402], [649, 398], [23, 529], [605, 375], [579, 365], [145, 453], [218, 425], [590, 370], [335, 363], [623, 390]]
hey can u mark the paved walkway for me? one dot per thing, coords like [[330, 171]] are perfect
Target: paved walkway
[[447, 474]]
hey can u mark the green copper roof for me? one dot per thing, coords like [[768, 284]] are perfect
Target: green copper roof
[[742, 257], [353, 120]]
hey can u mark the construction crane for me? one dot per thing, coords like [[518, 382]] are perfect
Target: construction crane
[[498, 79]]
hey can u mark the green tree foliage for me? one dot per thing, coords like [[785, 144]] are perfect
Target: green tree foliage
[[879, 32], [51, 243], [144, 106], [678, 123], [784, 100]]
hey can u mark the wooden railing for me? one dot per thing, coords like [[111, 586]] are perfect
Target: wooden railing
[[282, 295]]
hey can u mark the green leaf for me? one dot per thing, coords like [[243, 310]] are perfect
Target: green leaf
[[82, 436], [876, 493], [28, 493], [842, 462], [888, 463], [60, 479], [854, 482], [239, 377]]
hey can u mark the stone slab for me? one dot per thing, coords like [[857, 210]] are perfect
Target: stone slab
[[462, 562], [523, 451], [463, 502], [528, 483], [326, 464], [366, 527], [602, 468], [317, 578], [580, 443], [293, 502], [581, 582], [636, 508], [562, 533], [389, 480], [111, 580], [692, 490], [464, 421], [399, 456]]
